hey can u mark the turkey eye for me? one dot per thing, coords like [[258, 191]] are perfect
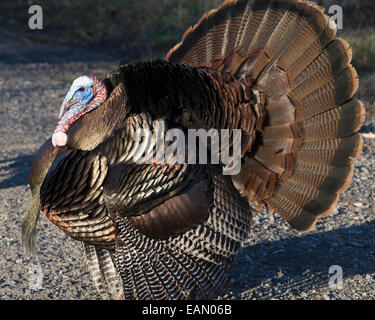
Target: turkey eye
[[82, 89]]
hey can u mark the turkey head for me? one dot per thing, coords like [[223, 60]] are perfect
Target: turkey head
[[85, 114]]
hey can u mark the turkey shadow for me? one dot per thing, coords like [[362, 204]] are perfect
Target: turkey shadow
[[297, 265], [15, 171]]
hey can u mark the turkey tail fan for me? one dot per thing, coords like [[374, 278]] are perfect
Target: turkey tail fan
[[303, 155]]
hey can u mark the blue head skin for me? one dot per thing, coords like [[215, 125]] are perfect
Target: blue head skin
[[79, 94], [84, 94]]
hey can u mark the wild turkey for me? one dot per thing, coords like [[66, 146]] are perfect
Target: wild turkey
[[273, 69]]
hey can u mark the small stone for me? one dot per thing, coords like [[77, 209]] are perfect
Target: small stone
[[369, 135]]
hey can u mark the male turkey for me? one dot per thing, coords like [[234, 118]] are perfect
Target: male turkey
[[273, 69]]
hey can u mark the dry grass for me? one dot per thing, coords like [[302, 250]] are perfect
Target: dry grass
[[152, 26], [363, 45], [149, 26]]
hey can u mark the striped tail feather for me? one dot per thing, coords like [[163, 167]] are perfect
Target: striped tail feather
[[101, 266], [287, 49]]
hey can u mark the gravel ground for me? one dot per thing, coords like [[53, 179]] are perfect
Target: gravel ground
[[276, 263]]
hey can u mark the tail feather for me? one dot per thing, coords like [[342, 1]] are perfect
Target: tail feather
[[302, 158], [100, 264]]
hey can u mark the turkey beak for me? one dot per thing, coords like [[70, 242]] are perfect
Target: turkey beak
[[71, 103]]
